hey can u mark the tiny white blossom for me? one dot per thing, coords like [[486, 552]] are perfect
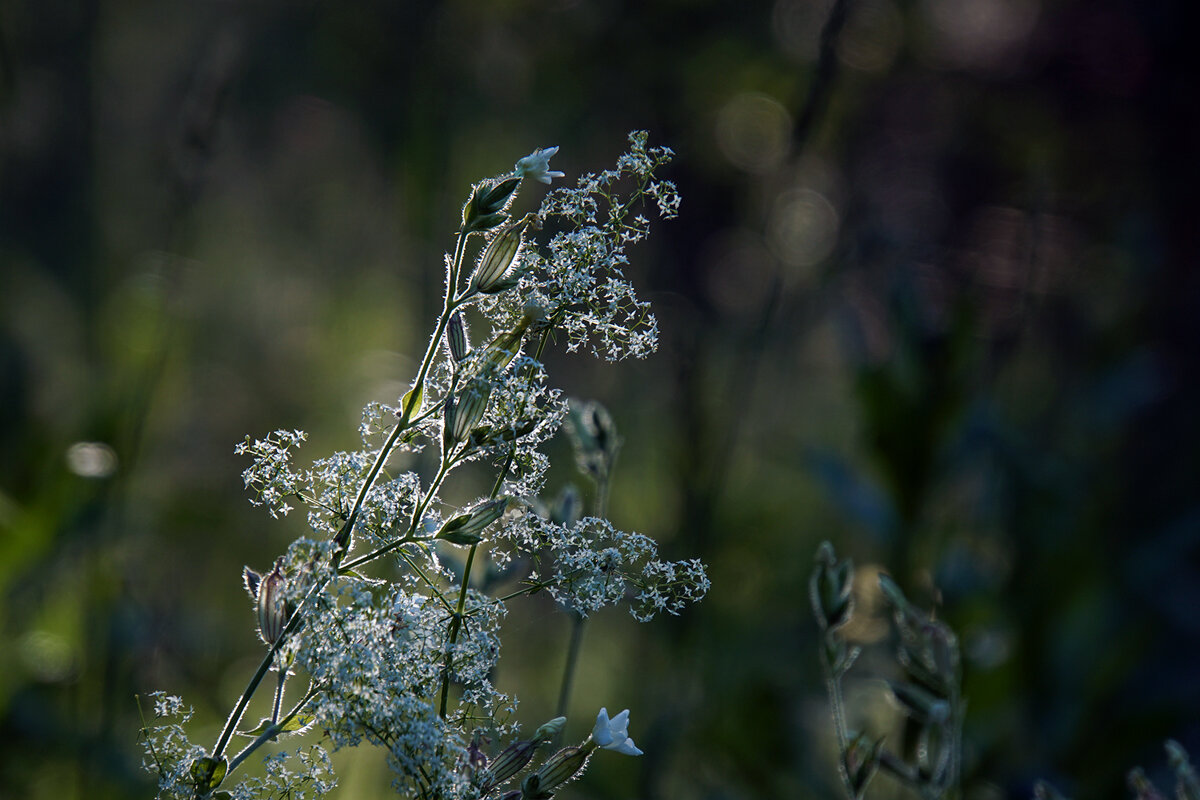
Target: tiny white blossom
[[613, 734], [536, 165]]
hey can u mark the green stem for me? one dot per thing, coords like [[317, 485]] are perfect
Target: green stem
[[455, 624], [271, 732], [577, 619], [278, 695], [343, 534], [568, 678]]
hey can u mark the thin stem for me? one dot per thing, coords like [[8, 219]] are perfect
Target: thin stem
[[577, 619], [278, 695], [455, 624], [383, 550], [568, 678], [272, 730]]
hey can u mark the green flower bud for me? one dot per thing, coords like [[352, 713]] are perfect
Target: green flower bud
[[512, 760], [560, 768], [466, 410], [456, 337], [468, 528], [920, 704], [269, 604], [498, 256], [859, 762], [550, 730], [829, 589]]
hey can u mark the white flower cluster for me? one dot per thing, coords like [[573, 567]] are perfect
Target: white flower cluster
[[589, 564], [406, 663], [578, 281]]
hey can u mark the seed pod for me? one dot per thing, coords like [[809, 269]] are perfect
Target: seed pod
[[456, 337], [508, 763], [270, 605], [559, 768], [465, 411], [468, 528], [497, 257]]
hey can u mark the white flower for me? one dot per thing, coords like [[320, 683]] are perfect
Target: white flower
[[536, 165], [614, 734]]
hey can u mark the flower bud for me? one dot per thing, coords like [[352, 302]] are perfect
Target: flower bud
[[496, 198], [1187, 786], [550, 730], [504, 348], [920, 704], [511, 761], [466, 410], [859, 761], [559, 768], [498, 256], [468, 528], [270, 605], [456, 337], [830, 589]]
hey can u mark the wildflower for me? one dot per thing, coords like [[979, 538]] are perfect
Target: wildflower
[[613, 734], [536, 165]]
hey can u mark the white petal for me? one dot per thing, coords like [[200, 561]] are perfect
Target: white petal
[[601, 733], [627, 747]]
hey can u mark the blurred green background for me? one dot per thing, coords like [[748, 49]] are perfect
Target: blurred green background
[[932, 295]]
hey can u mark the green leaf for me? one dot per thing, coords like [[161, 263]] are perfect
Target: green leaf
[[297, 723], [416, 406], [207, 773]]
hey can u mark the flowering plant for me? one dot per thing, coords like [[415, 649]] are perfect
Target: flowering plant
[[391, 637]]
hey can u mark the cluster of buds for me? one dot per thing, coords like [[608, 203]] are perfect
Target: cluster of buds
[[928, 652], [1187, 786]]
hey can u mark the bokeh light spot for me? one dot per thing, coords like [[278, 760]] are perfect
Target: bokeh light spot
[[753, 131], [803, 227], [92, 459]]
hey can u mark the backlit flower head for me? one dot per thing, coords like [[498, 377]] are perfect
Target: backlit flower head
[[536, 165], [613, 734]]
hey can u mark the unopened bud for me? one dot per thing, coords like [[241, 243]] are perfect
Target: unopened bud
[[830, 587], [456, 337], [498, 256], [511, 761], [270, 605], [561, 767], [504, 348], [920, 704], [465, 411], [468, 528], [860, 760], [496, 198], [549, 730], [1187, 786]]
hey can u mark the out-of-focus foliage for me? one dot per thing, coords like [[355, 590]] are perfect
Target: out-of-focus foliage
[[932, 298]]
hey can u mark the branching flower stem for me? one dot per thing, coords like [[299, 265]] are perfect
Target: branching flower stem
[[343, 536]]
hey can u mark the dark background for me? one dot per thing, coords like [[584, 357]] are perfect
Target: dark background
[[931, 296]]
